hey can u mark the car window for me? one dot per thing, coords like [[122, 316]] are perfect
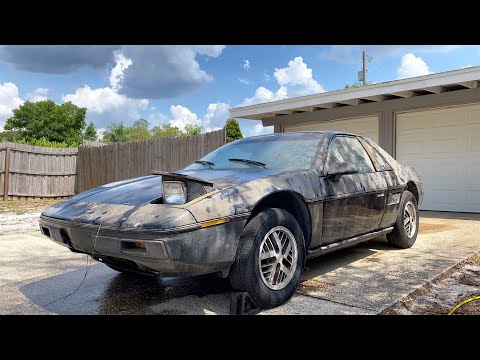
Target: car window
[[381, 156], [349, 149], [286, 151]]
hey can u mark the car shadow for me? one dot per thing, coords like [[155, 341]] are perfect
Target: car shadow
[[330, 262], [108, 292]]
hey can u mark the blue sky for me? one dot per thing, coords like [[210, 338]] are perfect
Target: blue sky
[[199, 83]]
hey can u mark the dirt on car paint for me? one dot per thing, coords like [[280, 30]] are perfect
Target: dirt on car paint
[[441, 295]]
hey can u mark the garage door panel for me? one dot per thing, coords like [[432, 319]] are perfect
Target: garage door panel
[[473, 142], [365, 126], [473, 116], [444, 197], [473, 172], [473, 197], [443, 145]]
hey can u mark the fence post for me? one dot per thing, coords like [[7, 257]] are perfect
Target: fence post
[[6, 174]]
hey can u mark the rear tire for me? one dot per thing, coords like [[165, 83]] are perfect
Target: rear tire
[[270, 258], [405, 230]]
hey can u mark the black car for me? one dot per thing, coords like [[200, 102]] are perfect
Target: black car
[[253, 211]]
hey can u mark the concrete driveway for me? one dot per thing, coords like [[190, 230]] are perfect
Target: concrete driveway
[[36, 276]]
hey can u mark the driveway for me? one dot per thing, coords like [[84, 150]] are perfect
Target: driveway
[[36, 275]]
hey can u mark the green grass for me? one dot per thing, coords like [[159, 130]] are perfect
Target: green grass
[[19, 207]]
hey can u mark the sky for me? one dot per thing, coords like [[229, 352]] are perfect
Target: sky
[[198, 84]]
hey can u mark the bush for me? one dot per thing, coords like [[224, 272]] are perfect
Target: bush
[[45, 143]]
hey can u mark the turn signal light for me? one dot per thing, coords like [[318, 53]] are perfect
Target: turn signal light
[[214, 222], [139, 245]]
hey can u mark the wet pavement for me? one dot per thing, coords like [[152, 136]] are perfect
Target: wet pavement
[[38, 276]]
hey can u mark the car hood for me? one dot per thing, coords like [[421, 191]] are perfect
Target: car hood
[[223, 178], [129, 203]]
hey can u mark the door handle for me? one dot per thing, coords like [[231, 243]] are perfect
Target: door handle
[[381, 195]]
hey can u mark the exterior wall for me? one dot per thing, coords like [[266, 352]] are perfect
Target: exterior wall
[[386, 110]]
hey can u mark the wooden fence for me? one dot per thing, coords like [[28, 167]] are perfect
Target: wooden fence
[[32, 172], [103, 164]]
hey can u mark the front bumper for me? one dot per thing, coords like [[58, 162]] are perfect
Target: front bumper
[[181, 251]]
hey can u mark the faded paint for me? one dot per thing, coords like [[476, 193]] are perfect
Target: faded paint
[[132, 210]]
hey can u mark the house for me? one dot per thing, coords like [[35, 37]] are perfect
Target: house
[[430, 122]]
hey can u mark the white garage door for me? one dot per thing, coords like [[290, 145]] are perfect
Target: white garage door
[[443, 145], [365, 126]]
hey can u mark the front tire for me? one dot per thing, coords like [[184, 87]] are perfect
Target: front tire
[[405, 231], [270, 258]]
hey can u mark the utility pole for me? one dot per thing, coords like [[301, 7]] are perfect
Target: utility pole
[[364, 73]]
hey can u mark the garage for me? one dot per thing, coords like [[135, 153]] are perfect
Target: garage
[[443, 145], [365, 126], [430, 122]]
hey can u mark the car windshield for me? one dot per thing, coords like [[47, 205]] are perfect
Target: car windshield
[[294, 151]]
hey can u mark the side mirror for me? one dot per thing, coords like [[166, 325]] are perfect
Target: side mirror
[[337, 170]]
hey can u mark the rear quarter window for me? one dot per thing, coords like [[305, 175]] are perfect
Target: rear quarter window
[[379, 156]]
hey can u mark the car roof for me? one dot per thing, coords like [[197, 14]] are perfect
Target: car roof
[[299, 133]]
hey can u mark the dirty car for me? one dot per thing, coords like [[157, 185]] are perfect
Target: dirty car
[[253, 210]]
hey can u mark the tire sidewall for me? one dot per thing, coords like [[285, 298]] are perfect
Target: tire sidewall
[[269, 219], [406, 197]]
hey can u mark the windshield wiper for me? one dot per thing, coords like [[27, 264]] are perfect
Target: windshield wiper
[[251, 162], [204, 162]]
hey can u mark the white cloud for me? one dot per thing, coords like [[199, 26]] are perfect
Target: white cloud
[[267, 77], [104, 100], [165, 71], [244, 81], [411, 66], [253, 128], [105, 105], [117, 74], [217, 115], [39, 94], [9, 100], [298, 78], [263, 94], [180, 116], [155, 72], [294, 80], [259, 129], [246, 64], [183, 116], [214, 119]]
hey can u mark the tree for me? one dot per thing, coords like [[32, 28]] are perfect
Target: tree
[[90, 132], [356, 85], [50, 121], [116, 132], [139, 130], [233, 130], [10, 136], [166, 130], [191, 129]]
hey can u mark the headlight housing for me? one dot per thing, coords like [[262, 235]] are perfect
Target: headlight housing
[[174, 192]]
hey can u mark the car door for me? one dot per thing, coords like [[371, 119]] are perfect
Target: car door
[[354, 204]]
